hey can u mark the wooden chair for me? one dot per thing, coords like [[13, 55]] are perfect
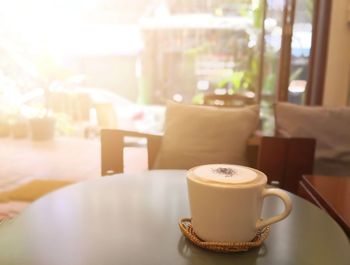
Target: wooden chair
[[227, 100], [283, 160]]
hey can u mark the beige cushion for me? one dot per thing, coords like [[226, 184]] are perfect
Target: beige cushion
[[330, 126], [196, 135]]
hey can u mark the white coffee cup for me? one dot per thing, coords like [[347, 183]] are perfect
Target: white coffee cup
[[226, 202]]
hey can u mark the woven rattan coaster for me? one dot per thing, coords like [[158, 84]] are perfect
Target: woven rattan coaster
[[187, 230]]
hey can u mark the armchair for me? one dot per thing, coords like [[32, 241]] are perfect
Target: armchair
[[283, 160]]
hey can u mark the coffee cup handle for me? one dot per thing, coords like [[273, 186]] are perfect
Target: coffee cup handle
[[287, 205]]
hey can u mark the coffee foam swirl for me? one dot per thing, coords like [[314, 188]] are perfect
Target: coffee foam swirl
[[225, 174]]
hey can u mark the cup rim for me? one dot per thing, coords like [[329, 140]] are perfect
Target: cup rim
[[262, 179]]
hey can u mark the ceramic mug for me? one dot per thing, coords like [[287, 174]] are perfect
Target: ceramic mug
[[226, 202]]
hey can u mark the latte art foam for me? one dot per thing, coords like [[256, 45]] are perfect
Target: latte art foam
[[225, 174], [228, 172]]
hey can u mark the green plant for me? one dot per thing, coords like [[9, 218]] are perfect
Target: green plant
[[50, 72], [232, 82], [247, 79], [242, 79], [310, 5]]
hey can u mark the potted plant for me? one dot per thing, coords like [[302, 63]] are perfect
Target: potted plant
[[4, 128], [19, 128], [12, 123], [43, 126]]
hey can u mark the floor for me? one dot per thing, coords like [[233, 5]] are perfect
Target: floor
[[75, 159], [63, 158]]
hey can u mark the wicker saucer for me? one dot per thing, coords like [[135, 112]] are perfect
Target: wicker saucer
[[187, 230]]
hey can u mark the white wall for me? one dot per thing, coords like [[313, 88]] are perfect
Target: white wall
[[337, 81]]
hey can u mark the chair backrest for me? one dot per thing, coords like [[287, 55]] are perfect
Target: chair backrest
[[106, 115], [283, 160]]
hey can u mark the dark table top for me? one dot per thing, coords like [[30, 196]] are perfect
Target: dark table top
[[133, 219], [333, 194]]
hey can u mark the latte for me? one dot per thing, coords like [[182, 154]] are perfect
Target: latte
[[226, 174]]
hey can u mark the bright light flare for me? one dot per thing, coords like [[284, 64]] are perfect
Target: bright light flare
[[64, 28]]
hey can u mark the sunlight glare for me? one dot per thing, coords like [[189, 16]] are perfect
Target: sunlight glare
[[62, 28]]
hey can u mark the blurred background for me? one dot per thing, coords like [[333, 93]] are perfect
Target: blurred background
[[71, 67]]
